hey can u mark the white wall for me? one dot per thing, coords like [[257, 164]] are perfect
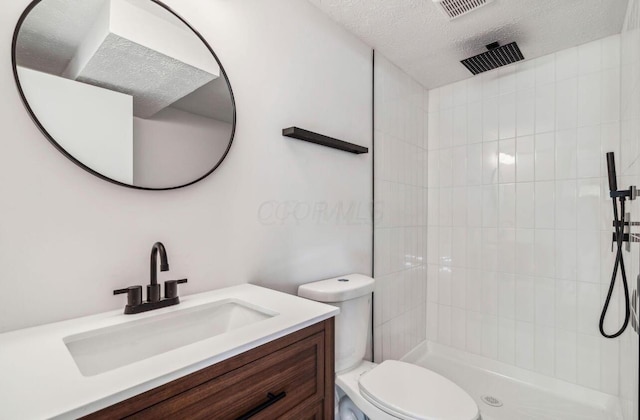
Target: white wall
[[630, 172], [175, 147], [67, 238], [77, 114], [400, 223], [519, 219]]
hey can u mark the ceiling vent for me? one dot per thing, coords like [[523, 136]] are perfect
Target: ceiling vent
[[456, 8], [497, 56]]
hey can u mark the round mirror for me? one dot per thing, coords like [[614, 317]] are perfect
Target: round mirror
[[126, 89]]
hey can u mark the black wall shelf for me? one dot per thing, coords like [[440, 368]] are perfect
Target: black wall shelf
[[311, 137]]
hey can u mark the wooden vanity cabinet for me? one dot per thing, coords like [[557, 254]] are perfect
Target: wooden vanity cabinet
[[289, 378]]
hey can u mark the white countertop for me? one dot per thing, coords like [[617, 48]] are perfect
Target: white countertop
[[39, 378]]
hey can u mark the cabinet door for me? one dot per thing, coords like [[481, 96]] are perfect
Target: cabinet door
[[267, 388]]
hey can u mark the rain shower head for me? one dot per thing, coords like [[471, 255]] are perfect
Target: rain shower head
[[497, 56]]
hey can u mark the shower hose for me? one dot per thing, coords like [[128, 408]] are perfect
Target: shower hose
[[619, 222]]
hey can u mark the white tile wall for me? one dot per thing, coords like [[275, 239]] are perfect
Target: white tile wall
[[401, 198], [528, 201], [511, 259], [625, 374]]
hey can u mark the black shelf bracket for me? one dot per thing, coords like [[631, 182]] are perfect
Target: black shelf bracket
[[311, 137]]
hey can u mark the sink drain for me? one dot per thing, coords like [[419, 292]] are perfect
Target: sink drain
[[492, 401]]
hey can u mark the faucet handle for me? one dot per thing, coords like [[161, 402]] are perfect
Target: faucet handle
[[171, 288], [134, 295]]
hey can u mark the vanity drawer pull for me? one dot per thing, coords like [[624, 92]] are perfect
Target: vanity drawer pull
[[271, 399]]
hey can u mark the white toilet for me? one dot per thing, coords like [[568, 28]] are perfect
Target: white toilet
[[388, 391]]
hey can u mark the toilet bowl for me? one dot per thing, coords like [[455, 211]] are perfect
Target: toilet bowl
[[392, 389]]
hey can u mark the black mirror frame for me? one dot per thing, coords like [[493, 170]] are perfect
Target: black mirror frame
[[44, 131]]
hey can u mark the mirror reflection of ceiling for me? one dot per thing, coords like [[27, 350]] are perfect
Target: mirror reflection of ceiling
[[126, 46]]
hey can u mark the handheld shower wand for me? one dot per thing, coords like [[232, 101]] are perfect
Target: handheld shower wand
[[611, 169], [619, 238]]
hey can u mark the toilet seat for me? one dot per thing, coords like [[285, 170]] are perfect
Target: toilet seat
[[411, 392]]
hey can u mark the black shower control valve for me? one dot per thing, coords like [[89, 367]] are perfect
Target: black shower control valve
[[626, 237], [614, 238], [617, 224]]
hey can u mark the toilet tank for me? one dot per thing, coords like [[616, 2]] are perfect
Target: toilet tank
[[352, 294]]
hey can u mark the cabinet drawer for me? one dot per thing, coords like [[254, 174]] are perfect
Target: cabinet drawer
[[296, 370], [307, 412]]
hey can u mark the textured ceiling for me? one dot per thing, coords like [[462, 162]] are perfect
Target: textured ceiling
[[154, 80], [51, 35], [421, 40], [54, 31]]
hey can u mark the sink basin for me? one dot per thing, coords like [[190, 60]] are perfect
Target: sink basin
[[105, 349]]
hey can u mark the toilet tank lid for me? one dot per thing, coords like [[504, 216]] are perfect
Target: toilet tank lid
[[337, 289]]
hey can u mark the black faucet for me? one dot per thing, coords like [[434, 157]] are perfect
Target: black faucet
[[154, 300], [153, 289]]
